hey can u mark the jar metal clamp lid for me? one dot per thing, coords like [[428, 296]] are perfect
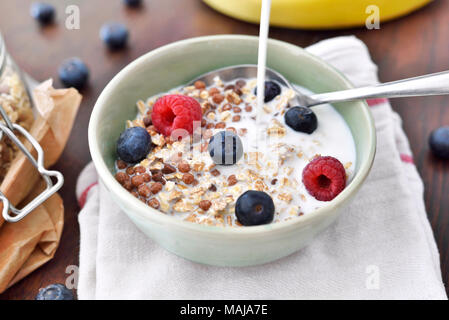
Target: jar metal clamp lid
[[10, 212]]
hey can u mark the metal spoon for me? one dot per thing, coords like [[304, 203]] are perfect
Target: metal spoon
[[427, 85]]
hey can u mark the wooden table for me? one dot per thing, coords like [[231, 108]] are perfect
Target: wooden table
[[414, 45]]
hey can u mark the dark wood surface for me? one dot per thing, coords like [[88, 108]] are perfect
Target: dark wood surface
[[413, 45]]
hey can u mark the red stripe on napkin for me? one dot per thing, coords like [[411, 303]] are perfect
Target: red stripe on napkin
[[407, 158], [83, 197], [375, 102]]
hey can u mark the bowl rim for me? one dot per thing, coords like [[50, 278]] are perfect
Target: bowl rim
[[146, 212]]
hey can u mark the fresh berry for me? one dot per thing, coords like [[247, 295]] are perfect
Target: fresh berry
[[133, 144], [272, 89], [55, 292], [114, 35], [132, 3], [301, 119], [176, 111], [254, 208], [439, 142], [324, 178], [225, 148], [43, 12], [74, 73]]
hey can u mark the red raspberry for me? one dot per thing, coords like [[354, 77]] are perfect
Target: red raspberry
[[324, 178], [175, 111]]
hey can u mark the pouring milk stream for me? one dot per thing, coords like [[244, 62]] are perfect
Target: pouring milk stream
[[261, 65]]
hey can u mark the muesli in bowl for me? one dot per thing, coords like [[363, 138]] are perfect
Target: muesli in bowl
[[178, 63], [198, 153]]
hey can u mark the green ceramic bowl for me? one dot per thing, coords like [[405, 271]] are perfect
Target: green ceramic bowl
[[178, 63]]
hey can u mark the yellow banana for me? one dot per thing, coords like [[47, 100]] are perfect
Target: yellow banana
[[317, 14]]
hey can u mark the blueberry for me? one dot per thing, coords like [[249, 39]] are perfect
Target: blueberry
[[225, 147], [55, 292], [133, 144], [43, 12], [439, 142], [254, 208], [272, 89], [114, 34], [132, 3], [73, 73], [301, 119]]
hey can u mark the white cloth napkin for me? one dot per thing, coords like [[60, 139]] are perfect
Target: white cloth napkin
[[382, 247]]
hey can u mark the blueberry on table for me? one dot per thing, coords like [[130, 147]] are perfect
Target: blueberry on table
[[254, 208], [133, 144], [132, 3], [301, 119], [272, 89], [55, 292], [439, 142], [225, 148], [43, 12], [73, 73], [114, 35]]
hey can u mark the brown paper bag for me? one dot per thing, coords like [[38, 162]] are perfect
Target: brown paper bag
[[28, 244]]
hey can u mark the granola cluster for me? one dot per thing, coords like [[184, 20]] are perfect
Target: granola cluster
[[15, 101], [179, 177]]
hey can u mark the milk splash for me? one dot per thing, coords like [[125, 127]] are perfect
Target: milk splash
[[261, 68]]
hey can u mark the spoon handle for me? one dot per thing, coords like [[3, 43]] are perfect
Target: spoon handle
[[427, 85]]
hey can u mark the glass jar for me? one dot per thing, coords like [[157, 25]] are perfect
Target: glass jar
[[16, 108], [14, 99]]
